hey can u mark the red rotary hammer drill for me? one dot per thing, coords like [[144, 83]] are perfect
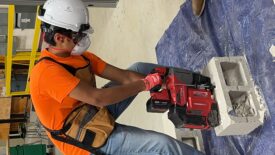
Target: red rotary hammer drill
[[188, 96]]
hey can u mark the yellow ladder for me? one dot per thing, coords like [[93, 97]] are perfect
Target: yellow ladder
[[30, 56]]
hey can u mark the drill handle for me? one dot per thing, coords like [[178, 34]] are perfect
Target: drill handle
[[163, 72]]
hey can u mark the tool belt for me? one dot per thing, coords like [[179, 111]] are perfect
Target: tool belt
[[87, 127]]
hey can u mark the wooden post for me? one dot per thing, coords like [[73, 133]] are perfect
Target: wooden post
[[5, 110]]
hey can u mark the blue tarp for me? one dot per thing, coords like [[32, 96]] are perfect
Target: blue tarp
[[228, 28]]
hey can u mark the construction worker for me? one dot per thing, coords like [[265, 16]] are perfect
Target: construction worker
[[56, 90], [198, 7]]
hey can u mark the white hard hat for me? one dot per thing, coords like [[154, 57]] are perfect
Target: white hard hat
[[68, 14]]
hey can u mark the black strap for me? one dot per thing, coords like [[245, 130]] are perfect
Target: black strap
[[69, 68], [76, 143], [58, 132]]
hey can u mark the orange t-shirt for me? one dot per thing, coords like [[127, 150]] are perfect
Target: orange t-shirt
[[50, 85]]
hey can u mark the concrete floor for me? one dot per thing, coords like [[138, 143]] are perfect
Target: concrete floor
[[129, 33]]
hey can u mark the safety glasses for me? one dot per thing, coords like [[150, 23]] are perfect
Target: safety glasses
[[77, 36], [85, 29]]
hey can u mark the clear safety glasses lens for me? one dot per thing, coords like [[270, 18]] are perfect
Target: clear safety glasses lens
[[78, 36]]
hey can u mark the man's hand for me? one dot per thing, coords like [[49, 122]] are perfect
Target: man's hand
[[152, 80]]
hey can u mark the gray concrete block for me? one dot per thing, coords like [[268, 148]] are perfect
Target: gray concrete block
[[191, 137], [240, 107]]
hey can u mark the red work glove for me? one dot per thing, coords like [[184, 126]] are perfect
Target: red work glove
[[152, 80]]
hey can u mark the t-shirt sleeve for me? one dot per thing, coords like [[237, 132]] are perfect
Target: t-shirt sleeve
[[98, 65], [57, 82]]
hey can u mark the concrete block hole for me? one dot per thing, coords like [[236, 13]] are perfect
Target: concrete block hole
[[233, 74], [242, 104], [191, 141]]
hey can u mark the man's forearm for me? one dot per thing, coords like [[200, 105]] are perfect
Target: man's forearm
[[133, 76], [118, 93], [106, 96]]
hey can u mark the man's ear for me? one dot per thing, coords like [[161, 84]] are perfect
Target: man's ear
[[58, 38]]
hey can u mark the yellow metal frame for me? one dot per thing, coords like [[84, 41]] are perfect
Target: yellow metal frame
[[30, 56]]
